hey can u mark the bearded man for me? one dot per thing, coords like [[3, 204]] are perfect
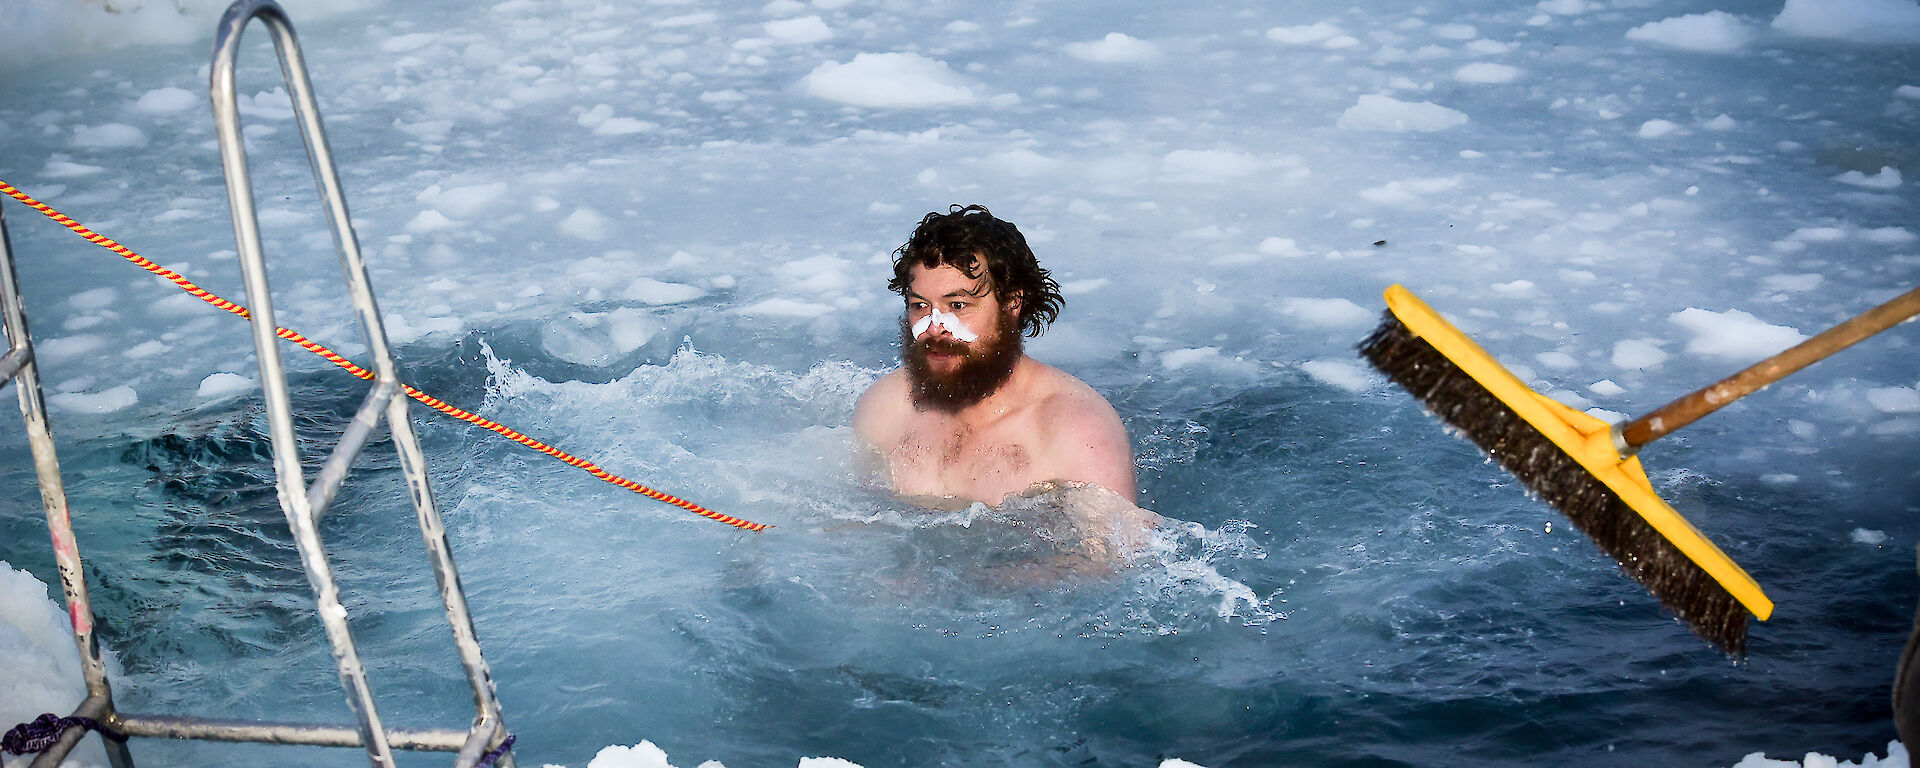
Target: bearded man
[[969, 417]]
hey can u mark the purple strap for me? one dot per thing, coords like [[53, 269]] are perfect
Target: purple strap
[[45, 730], [486, 760]]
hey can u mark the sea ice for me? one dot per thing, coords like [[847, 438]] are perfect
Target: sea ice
[[1115, 48], [897, 80], [1374, 112], [1710, 32], [1733, 334]]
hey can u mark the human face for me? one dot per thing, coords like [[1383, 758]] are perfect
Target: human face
[[947, 371]]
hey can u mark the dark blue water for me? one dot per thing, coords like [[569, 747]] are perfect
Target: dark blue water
[[1337, 583]]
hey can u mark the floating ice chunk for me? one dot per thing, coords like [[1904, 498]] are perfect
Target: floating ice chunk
[[1557, 360], [584, 224], [1174, 360], [1514, 289], [642, 755], [163, 101], [1894, 399], [1385, 113], [1710, 32], [1862, 21], [1896, 756], [1488, 73], [466, 202], [109, 136], [1565, 7], [1889, 235], [1868, 536], [1204, 165], [1780, 478], [1342, 374], [827, 762], [1733, 334], [785, 308], [66, 347], [1819, 234], [1887, 178], [688, 20], [62, 169], [805, 30], [630, 329], [897, 80], [1115, 48], [651, 291], [1908, 91], [1722, 123], [1327, 313], [428, 220], [1606, 388], [1637, 354], [623, 126], [410, 42], [1407, 191], [1656, 128], [1307, 34], [1794, 283], [1280, 246], [97, 298], [222, 384], [1455, 31], [106, 401]]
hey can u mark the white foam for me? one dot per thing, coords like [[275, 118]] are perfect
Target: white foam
[[1896, 758]]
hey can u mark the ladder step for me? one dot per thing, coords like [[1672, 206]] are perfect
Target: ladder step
[[213, 729]]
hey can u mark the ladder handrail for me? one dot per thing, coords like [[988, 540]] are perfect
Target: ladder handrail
[[296, 498], [303, 504], [25, 376]]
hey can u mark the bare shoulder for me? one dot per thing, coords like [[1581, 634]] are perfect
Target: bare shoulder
[[881, 411], [1085, 433]]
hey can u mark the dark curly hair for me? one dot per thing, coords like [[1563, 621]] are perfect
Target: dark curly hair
[[970, 239]]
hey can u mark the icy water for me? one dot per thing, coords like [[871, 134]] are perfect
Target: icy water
[[656, 235]]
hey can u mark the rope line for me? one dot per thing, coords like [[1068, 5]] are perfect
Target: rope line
[[333, 357]]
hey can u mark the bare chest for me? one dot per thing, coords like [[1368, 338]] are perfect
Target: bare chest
[[939, 457]]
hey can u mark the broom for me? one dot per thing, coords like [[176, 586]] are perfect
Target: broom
[[1585, 467]]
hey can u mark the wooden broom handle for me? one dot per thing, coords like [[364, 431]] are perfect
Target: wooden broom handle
[[1690, 408]]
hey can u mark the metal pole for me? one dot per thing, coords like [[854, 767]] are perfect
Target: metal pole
[[291, 481], [53, 494]]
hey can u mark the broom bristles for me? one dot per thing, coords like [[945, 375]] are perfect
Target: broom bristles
[[1646, 556]]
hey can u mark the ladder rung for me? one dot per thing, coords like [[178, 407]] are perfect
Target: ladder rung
[[14, 361], [210, 729], [358, 432]]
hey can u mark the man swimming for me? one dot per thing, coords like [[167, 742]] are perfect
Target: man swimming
[[969, 417]]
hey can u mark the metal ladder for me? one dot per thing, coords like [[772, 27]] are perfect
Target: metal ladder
[[302, 502]]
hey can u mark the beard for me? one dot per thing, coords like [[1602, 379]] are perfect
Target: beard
[[985, 366]]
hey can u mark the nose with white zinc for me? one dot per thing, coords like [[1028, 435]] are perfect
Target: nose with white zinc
[[937, 318]]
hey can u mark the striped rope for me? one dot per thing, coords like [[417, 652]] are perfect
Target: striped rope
[[348, 365]]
